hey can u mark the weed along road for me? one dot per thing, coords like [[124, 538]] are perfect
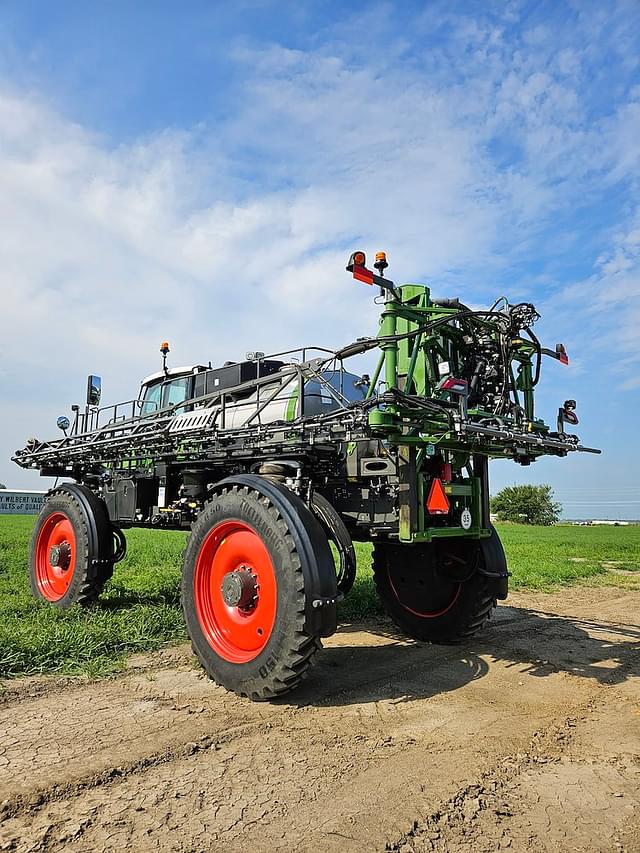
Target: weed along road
[[527, 737]]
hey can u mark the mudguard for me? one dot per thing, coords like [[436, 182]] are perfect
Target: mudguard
[[95, 514], [336, 530], [494, 564], [311, 542]]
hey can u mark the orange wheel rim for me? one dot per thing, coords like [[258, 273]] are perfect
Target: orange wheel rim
[[235, 591], [55, 556]]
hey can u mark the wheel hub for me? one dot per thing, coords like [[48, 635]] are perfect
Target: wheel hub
[[60, 556], [240, 589]]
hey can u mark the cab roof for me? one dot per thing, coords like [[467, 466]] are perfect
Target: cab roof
[[173, 372]]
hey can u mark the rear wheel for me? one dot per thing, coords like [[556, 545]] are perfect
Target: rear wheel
[[243, 594], [434, 591], [64, 562]]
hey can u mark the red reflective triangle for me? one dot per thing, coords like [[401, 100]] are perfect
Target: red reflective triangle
[[437, 502], [363, 274]]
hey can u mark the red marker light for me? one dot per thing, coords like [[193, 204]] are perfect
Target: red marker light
[[561, 354], [356, 259], [437, 502], [459, 386], [357, 266], [363, 274]]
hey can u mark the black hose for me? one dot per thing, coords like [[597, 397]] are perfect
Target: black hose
[[370, 343]]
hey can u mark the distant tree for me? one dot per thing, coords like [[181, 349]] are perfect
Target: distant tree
[[526, 504], [2, 486]]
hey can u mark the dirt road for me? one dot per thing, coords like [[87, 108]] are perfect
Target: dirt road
[[526, 738]]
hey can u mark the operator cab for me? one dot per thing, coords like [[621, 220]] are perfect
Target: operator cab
[[159, 391]]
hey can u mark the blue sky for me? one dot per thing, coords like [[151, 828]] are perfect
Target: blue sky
[[199, 171]]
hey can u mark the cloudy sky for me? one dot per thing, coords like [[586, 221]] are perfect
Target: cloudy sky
[[200, 171]]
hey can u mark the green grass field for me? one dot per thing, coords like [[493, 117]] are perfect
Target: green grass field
[[140, 608]]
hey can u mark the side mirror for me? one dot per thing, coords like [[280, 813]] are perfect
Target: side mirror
[[567, 415], [94, 390], [63, 423]]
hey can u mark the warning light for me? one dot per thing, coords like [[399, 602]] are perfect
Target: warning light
[[437, 502], [357, 267], [381, 261], [164, 349]]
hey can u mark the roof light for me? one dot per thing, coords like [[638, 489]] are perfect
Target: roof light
[[381, 261], [437, 502], [164, 347]]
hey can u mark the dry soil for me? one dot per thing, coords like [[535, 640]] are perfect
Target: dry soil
[[526, 738]]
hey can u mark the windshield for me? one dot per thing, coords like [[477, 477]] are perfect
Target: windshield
[[161, 395], [151, 399]]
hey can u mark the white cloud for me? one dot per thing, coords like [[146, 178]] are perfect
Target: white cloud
[[234, 237], [107, 251], [604, 309]]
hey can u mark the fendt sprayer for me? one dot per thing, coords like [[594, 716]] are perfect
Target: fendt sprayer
[[269, 460]]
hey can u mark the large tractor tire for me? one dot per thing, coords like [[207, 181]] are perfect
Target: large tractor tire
[[443, 591], [258, 588], [72, 548]]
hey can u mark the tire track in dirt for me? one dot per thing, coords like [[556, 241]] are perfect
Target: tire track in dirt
[[386, 732], [296, 776], [148, 718], [561, 793]]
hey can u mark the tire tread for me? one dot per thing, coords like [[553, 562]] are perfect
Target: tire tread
[[294, 659], [472, 612]]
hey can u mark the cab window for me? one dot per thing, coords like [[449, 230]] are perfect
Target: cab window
[[151, 399], [175, 391]]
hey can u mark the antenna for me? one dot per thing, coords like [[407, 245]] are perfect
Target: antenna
[[164, 349]]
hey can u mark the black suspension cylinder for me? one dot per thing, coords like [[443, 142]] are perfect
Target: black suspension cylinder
[[481, 470]]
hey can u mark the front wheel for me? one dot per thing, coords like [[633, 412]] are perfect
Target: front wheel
[[435, 591], [243, 592], [71, 554]]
